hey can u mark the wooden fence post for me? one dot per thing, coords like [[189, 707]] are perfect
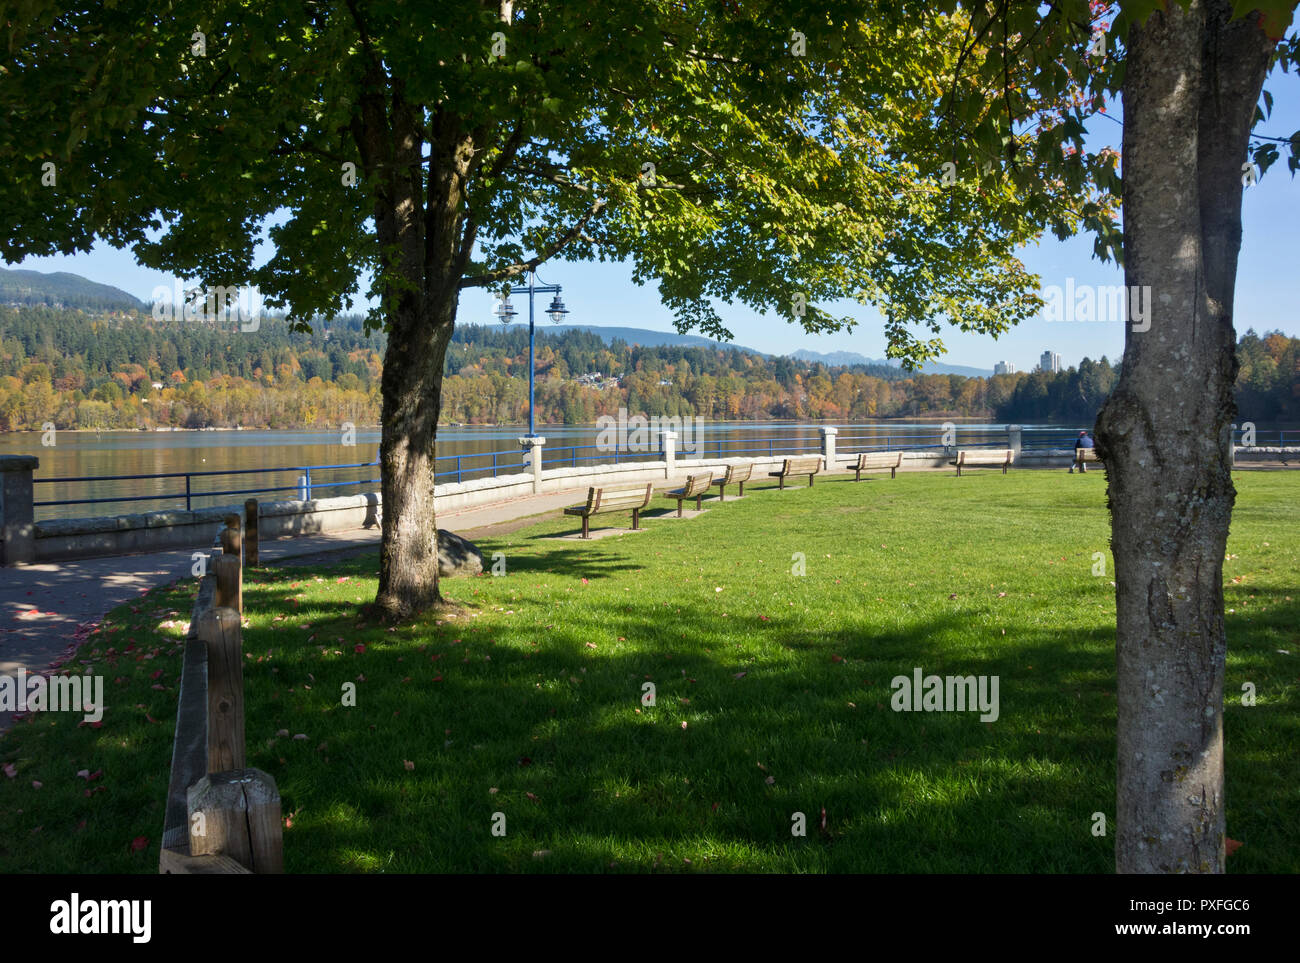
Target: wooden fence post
[[230, 582], [231, 542], [237, 814], [220, 630], [250, 532]]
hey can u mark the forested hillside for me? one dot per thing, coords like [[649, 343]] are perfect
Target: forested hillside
[[96, 370]]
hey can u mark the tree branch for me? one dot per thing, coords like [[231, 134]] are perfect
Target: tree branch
[[522, 267]]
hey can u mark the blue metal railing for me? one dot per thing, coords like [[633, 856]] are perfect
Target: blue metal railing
[[304, 485], [491, 464]]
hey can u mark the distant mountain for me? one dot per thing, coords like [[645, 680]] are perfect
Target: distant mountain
[[648, 339], [832, 358], [62, 289]]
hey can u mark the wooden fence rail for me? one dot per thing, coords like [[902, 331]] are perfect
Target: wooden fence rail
[[221, 817]]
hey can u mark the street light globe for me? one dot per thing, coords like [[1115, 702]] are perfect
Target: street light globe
[[505, 310], [557, 311]]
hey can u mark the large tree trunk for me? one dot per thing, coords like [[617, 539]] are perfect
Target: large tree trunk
[[1191, 84], [418, 220]]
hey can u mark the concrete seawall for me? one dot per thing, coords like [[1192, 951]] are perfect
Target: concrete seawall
[[62, 539]]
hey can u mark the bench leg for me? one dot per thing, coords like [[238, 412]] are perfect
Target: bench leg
[[742, 489], [857, 474], [636, 519], [959, 471], [810, 481], [722, 493], [891, 472], [698, 500], [782, 480], [585, 521], [679, 507], [1004, 469]]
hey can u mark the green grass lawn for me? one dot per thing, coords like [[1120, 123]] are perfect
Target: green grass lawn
[[773, 696]]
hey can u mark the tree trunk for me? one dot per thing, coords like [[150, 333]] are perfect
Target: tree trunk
[[418, 220], [1191, 84]]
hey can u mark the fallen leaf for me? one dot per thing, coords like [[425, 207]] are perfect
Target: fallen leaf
[[139, 843], [36, 784], [1230, 846], [408, 764], [10, 769]]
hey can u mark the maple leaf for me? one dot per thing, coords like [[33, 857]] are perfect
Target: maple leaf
[[139, 843]]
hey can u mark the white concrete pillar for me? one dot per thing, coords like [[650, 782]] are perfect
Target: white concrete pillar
[[1014, 442], [668, 444], [828, 446], [532, 446], [17, 514]]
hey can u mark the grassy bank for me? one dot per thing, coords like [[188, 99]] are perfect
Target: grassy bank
[[772, 694]]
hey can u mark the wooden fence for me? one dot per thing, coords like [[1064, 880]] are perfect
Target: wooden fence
[[222, 817]]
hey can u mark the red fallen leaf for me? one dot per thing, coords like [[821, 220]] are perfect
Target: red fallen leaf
[[36, 784], [525, 761], [139, 843], [288, 822], [437, 678], [147, 716], [764, 618], [10, 770], [1230, 846], [93, 725], [823, 823], [359, 647], [837, 658], [590, 645], [531, 796], [584, 581], [156, 674], [435, 658], [160, 688], [740, 675], [408, 764]]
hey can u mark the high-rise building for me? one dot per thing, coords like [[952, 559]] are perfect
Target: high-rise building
[[1004, 367], [1050, 361]]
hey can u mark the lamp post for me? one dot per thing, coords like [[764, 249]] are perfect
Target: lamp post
[[557, 311]]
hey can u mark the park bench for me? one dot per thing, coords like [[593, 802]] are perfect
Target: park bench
[[808, 465], [600, 501], [735, 474], [695, 487], [983, 458], [1083, 456], [874, 460]]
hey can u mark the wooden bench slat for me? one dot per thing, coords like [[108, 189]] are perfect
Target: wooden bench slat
[[808, 465], [695, 487], [735, 474], [872, 460], [984, 457], [603, 500]]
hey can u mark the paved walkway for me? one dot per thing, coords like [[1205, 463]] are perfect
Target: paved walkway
[[47, 610]]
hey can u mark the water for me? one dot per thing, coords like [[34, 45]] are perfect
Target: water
[[464, 453]]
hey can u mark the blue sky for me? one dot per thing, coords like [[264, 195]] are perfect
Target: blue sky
[[1268, 280]]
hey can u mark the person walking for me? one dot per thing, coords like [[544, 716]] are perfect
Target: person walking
[[1083, 441]]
